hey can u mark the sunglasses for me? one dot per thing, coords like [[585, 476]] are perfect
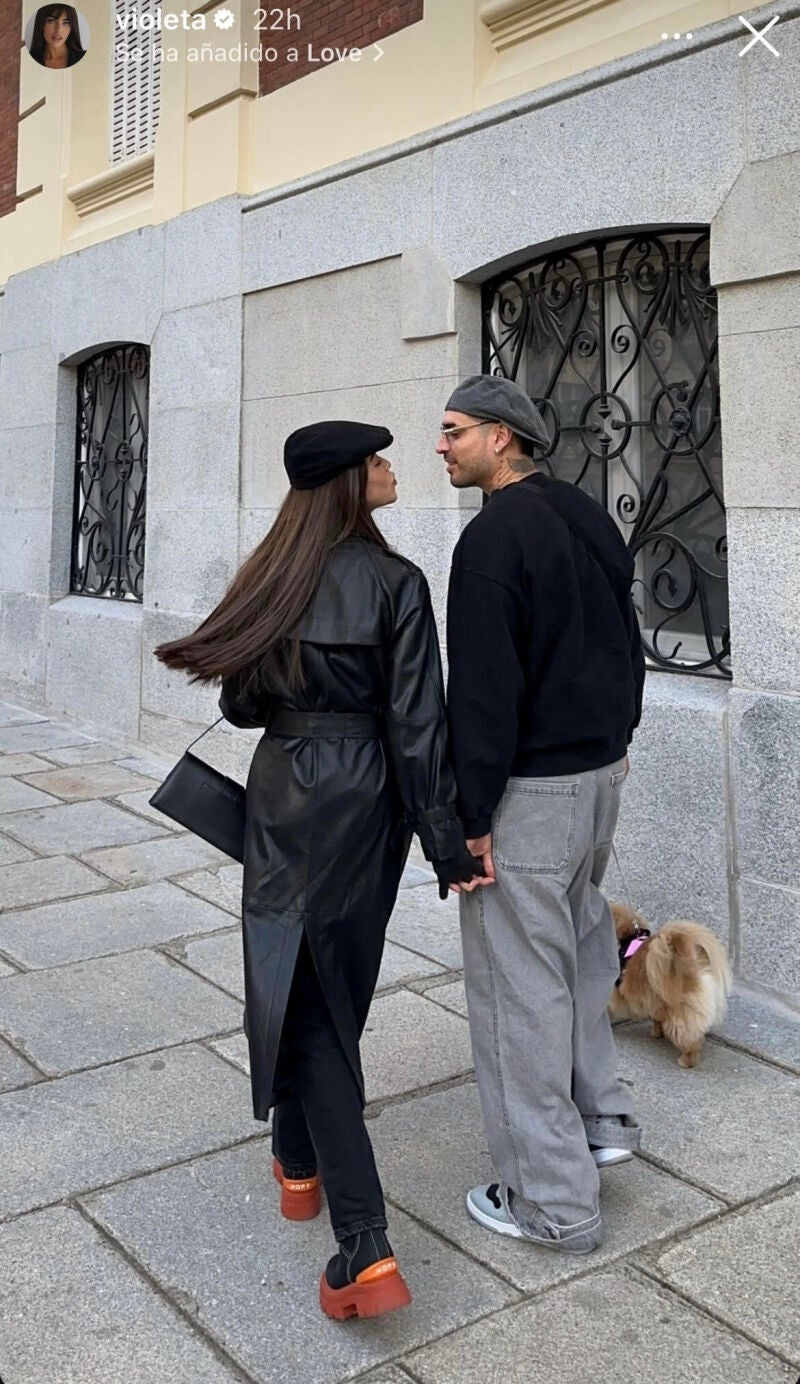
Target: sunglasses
[[451, 430]]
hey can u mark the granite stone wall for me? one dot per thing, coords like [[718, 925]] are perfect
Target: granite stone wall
[[176, 289], [756, 267]]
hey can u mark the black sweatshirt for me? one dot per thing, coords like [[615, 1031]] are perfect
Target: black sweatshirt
[[545, 660]]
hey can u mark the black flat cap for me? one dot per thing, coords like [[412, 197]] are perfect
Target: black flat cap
[[316, 454], [500, 401]]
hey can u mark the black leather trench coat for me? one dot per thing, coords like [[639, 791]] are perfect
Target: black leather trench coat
[[329, 820]]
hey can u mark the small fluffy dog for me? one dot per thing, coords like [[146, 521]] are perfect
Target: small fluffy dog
[[680, 978]]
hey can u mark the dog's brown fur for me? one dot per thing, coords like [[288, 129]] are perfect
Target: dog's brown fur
[[680, 978]]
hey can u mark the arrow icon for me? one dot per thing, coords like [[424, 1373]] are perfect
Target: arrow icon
[[379, 53]]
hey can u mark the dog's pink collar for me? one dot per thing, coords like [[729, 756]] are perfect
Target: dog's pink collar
[[634, 946]]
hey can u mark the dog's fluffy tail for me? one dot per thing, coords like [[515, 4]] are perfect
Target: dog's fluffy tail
[[686, 964]]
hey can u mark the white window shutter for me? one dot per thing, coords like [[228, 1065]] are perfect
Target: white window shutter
[[137, 80]]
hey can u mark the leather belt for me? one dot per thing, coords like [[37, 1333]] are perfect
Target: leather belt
[[320, 725]]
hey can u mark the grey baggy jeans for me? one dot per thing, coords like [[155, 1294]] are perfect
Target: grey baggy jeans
[[540, 961]]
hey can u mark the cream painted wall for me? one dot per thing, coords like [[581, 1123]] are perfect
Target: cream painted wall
[[614, 30], [216, 138], [424, 79]]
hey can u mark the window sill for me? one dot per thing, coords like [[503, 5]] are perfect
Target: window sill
[[114, 185], [101, 606], [515, 21]]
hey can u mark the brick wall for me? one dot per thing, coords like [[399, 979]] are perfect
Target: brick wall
[[10, 36], [329, 23]]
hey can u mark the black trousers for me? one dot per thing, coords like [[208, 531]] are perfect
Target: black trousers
[[320, 1125]]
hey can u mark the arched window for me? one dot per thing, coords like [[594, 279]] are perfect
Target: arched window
[[108, 530], [616, 341]]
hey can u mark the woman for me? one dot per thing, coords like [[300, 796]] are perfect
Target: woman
[[326, 638], [56, 38]]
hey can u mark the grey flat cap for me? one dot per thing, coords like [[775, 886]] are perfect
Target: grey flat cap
[[500, 400]]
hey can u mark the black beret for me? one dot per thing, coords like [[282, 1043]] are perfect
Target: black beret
[[316, 454]]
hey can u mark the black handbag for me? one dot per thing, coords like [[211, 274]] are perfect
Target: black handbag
[[205, 801]]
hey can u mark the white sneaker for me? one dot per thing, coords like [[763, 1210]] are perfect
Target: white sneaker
[[606, 1157]]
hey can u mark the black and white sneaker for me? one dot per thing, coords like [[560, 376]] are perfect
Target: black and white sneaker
[[489, 1207]]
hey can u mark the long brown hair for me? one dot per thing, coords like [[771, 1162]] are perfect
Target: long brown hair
[[252, 630], [38, 46]]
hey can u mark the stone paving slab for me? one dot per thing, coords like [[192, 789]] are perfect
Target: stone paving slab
[[72, 755], [37, 881], [6, 969], [213, 1231], [151, 860], [400, 965], [140, 804], [218, 958], [746, 1269], [452, 996], [21, 764], [144, 764], [70, 828], [606, 1327], [14, 1070], [17, 715], [431, 1150], [11, 852], [388, 1374], [90, 1130], [414, 875], [77, 929], [222, 887], [44, 735], [17, 797], [393, 1058], [112, 1007], [74, 1310], [763, 1026], [234, 1050], [732, 1123], [423, 923], [89, 781]]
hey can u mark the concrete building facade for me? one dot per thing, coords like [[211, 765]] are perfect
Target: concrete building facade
[[358, 290]]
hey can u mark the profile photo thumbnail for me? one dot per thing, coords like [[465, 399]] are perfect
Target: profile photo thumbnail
[[57, 36]]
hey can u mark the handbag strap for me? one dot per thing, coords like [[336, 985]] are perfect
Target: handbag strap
[[204, 732]]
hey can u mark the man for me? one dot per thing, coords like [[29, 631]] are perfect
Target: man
[[544, 692]]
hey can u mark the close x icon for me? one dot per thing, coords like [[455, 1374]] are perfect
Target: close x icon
[[759, 35]]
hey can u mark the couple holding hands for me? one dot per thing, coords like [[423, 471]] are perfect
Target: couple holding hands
[[326, 639]]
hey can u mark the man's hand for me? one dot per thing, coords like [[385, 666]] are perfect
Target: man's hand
[[481, 846]]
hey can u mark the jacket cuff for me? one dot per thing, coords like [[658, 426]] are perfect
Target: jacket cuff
[[477, 826], [440, 833]]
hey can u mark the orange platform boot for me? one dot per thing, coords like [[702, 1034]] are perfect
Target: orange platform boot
[[363, 1280], [301, 1197]]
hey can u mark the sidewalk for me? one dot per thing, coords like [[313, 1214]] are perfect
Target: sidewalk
[[140, 1241]]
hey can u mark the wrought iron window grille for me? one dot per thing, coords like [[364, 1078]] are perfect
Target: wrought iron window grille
[[108, 537], [616, 342]]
